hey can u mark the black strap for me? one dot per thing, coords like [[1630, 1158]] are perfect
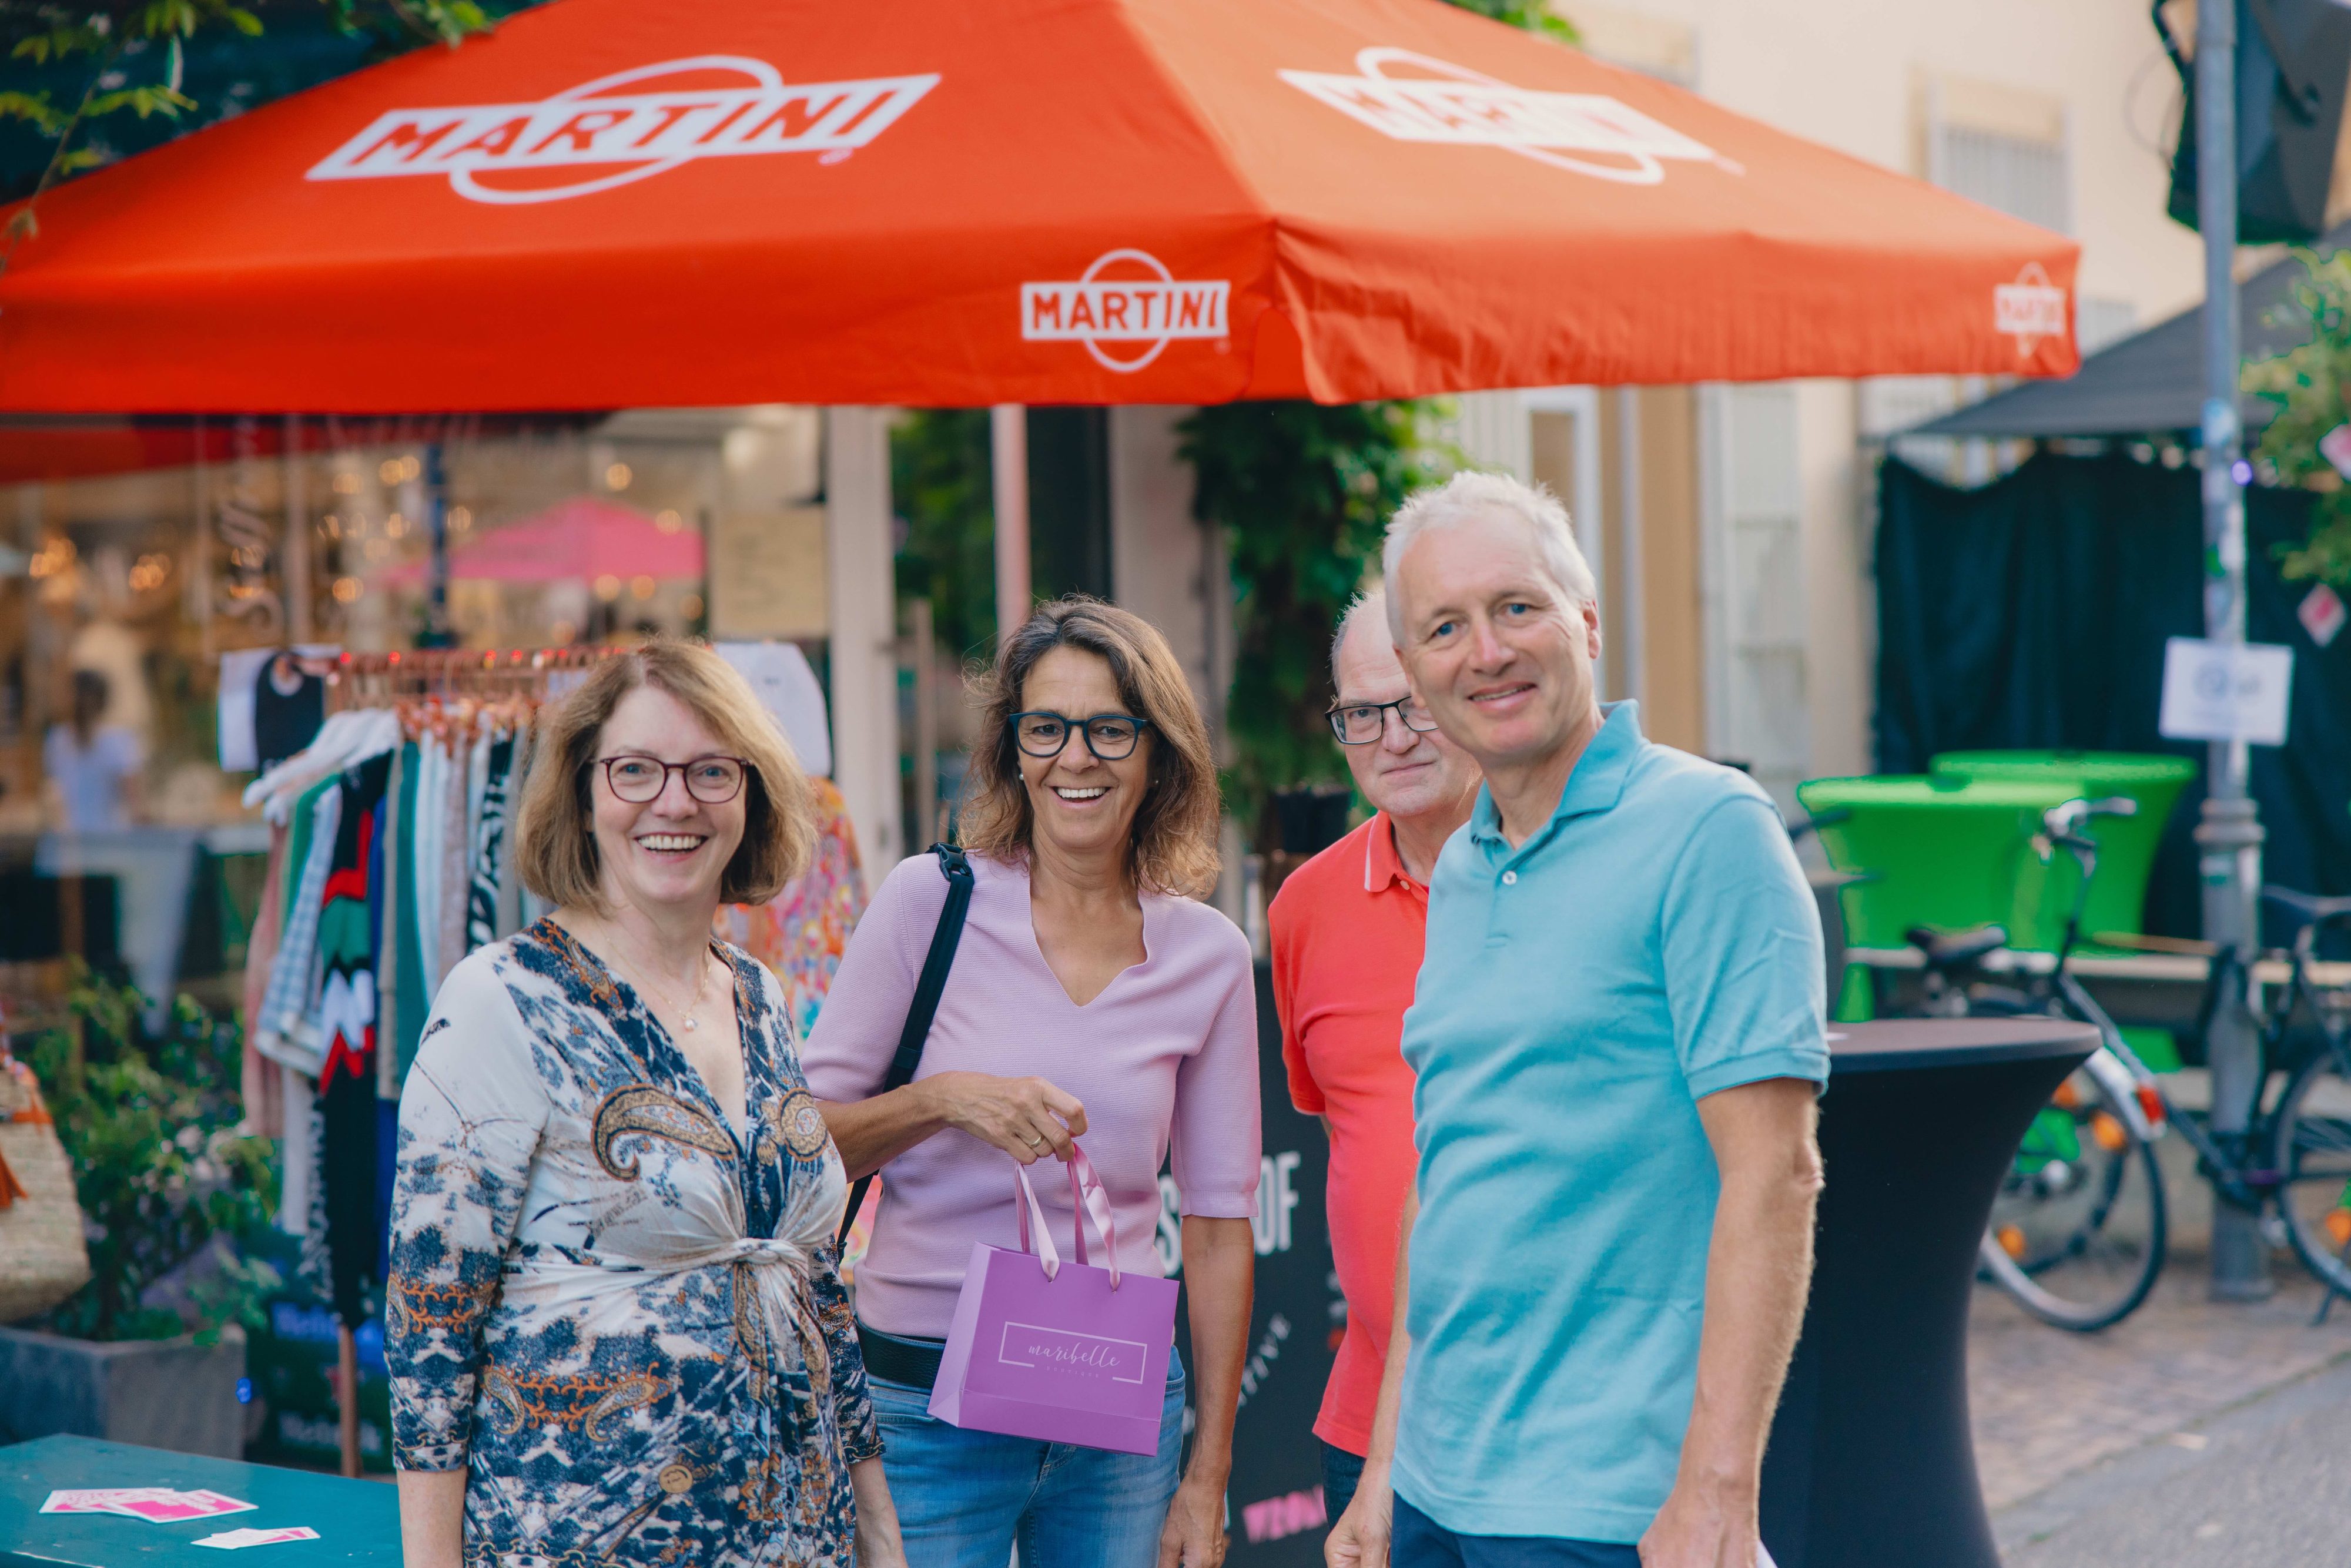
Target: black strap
[[956, 866]]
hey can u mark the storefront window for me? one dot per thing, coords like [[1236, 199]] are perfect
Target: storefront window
[[121, 587]]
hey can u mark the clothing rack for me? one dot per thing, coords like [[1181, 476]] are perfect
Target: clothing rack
[[378, 680], [466, 721]]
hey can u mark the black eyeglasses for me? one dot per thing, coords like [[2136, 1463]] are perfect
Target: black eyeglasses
[[1359, 724], [713, 780], [1111, 736]]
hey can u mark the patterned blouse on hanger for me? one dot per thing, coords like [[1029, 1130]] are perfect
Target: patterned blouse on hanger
[[617, 1311]]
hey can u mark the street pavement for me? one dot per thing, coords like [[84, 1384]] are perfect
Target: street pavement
[[2193, 1433], [2266, 1482]]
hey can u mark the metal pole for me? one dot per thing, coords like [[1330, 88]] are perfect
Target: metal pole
[[1008, 429], [437, 631], [2228, 839]]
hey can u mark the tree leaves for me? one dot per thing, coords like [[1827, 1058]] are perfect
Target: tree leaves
[[1530, 16], [1302, 493], [940, 484], [2307, 387], [114, 38]]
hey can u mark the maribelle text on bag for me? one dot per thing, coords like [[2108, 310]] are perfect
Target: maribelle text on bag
[[1065, 1352]]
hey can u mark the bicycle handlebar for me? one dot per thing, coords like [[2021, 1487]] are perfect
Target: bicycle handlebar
[[2067, 821]]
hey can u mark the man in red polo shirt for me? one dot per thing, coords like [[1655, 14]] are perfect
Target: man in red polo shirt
[[1347, 936]]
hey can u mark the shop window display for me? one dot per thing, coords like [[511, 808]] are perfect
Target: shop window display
[[120, 591]]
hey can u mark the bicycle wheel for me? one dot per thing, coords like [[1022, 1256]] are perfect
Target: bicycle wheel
[[2078, 1231], [2311, 1156]]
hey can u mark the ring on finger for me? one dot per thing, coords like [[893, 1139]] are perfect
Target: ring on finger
[[1035, 1143]]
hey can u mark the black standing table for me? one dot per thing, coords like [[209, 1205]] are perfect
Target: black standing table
[[1872, 1463]]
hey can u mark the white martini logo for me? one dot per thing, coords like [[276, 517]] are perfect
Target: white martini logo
[[617, 137], [1415, 97], [1111, 304], [2029, 309]]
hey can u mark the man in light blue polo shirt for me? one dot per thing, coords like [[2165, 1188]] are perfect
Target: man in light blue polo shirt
[[1618, 1036]]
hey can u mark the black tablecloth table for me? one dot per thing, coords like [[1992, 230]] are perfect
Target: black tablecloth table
[[1872, 1463]]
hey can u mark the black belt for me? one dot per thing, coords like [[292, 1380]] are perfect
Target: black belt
[[911, 1363]]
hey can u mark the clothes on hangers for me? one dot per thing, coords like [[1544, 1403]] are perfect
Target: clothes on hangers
[[489, 844], [292, 978], [347, 1088], [800, 934], [404, 973], [456, 876], [386, 916], [262, 1080], [346, 740], [394, 858]]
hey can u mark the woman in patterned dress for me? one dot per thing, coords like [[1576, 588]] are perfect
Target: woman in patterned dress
[[614, 1326]]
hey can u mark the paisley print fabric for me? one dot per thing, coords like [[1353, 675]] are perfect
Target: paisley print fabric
[[618, 1313]]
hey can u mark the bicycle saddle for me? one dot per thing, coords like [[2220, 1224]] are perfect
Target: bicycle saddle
[[1954, 949], [2306, 906]]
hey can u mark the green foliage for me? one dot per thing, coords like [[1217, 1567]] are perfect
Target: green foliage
[[1302, 492], [2306, 384], [1534, 15], [160, 1170], [106, 43], [940, 471]]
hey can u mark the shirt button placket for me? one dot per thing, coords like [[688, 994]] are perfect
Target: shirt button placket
[[1509, 879]]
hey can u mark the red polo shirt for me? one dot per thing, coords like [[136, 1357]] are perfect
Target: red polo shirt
[[1348, 930]]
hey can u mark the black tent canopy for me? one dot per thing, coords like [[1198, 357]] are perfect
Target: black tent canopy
[[2149, 383]]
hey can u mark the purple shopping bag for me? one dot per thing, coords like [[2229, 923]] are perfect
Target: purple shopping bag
[[1065, 1352]]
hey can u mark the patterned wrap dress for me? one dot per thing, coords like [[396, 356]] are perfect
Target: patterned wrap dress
[[619, 1314]]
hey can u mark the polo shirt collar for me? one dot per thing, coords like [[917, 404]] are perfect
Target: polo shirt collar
[[1595, 784], [1383, 869]]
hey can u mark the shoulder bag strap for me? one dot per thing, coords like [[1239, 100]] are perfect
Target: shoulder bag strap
[[956, 866]]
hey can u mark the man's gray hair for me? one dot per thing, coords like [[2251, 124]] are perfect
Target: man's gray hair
[[1471, 494], [1372, 604]]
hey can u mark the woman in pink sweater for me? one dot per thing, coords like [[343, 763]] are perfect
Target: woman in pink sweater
[[1092, 999]]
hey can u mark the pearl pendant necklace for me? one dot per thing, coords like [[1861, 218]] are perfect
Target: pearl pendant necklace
[[696, 1003], [687, 1021]]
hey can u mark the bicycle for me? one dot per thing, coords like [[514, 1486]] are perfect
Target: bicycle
[[2079, 1230]]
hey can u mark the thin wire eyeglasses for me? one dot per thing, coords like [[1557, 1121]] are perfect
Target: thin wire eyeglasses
[[1111, 736], [639, 781], [1359, 724]]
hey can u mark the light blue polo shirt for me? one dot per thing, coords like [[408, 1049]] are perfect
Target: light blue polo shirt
[[1654, 942]]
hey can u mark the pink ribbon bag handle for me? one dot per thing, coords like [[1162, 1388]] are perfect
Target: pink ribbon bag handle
[[1090, 1199]]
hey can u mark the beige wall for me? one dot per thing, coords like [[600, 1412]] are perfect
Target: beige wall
[[1863, 76], [1850, 73]]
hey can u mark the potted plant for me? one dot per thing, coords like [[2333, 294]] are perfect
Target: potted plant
[[152, 1351]]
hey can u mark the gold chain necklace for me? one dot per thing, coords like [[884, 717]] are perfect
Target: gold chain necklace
[[691, 1007]]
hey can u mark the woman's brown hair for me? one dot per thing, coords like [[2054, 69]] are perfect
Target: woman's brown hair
[[1174, 846], [556, 844]]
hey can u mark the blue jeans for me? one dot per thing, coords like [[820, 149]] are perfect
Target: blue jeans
[[1343, 1473], [965, 1497], [1419, 1542]]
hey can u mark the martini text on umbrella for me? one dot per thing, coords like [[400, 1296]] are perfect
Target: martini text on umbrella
[[1441, 102], [635, 135], [2030, 309], [1155, 308]]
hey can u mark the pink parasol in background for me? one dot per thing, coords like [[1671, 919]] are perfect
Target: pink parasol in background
[[582, 539]]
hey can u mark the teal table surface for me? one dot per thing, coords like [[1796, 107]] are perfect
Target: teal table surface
[[357, 1521]]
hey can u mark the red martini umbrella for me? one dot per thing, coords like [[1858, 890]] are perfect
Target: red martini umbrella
[[608, 203]]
